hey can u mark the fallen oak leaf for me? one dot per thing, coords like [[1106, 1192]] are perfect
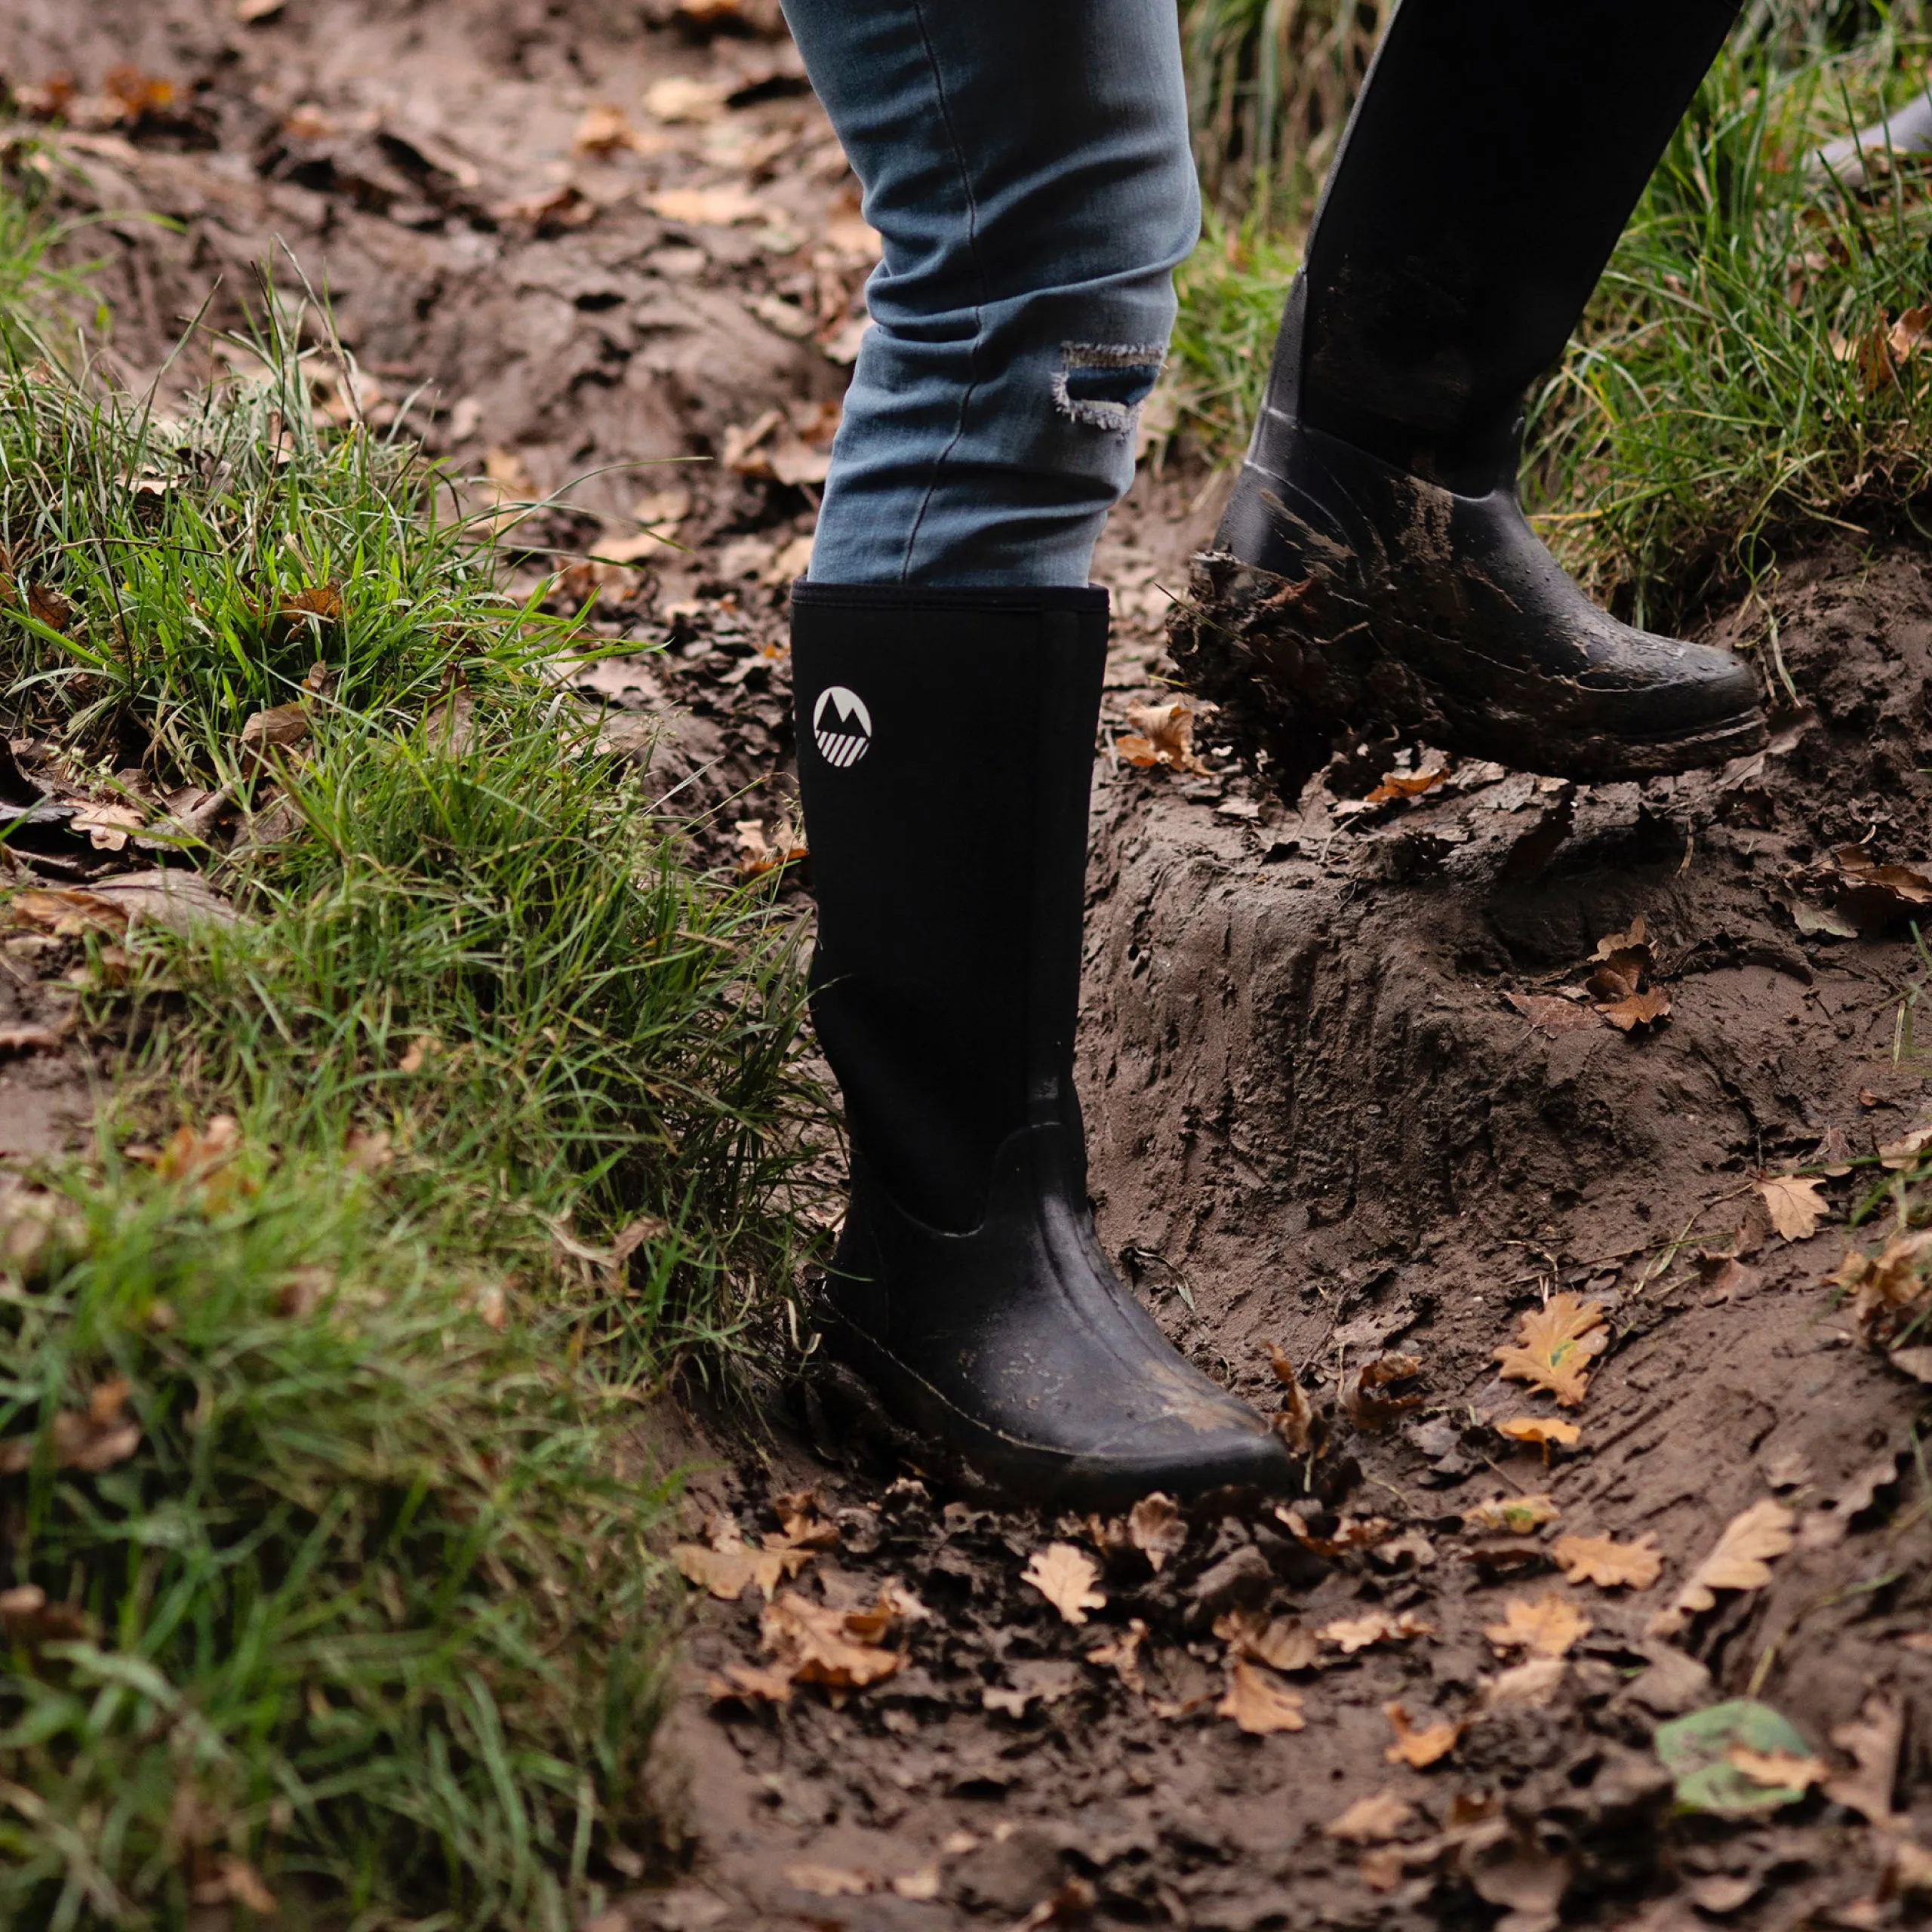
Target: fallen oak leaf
[[1375, 1626], [1156, 1528], [1372, 1820], [725, 1571], [1512, 1515], [1791, 1200], [1160, 734], [827, 1882], [1608, 1564], [1279, 1642], [1418, 1748], [1635, 940], [1740, 1560], [109, 827], [1258, 1702], [1544, 1431], [1884, 1287], [1554, 1344], [1367, 1409], [1550, 1013], [90, 1441], [1547, 1626], [1872, 1740], [750, 1683], [1122, 1656], [1295, 1423], [1635, 1009], [67, 912], [1875, 896], [47, 606], [707, 208], [1066, 1577], [820, 1644], [1533, 1682], [1406, 785], [1905, 1152]]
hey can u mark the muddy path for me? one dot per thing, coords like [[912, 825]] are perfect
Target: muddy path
[[1356, 1110]]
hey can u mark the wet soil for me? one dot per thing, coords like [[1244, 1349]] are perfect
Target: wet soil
[[1348, 1096]]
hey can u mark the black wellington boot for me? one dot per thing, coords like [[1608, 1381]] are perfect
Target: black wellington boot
[[946, 750], [1374, 567]]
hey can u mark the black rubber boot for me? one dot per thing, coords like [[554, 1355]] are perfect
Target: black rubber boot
[[1374, 560], [946, 750]]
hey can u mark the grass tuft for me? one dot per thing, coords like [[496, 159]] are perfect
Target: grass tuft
[[321, 1535]]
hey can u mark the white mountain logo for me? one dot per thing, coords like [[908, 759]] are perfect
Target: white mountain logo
[[842, 726]]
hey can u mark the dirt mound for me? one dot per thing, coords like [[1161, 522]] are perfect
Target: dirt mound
[[1372, 1078], [1355, 1094]]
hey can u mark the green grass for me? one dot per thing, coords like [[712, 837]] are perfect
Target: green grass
[[365, 1613], [1713, 410], [1716, 407]]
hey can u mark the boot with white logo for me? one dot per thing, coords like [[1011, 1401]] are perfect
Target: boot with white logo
[[946, 750]]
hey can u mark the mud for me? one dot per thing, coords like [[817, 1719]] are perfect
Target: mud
[[1319, 1122]]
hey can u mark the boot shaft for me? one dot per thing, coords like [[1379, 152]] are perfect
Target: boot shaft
[[1493, 158], [945, 748]]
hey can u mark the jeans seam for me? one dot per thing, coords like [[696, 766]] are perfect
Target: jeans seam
[[980, 285]]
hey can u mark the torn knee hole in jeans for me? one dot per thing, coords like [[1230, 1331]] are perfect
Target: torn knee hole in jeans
[[1102, 384]]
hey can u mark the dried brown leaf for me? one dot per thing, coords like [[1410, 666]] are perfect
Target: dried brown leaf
[[1376, 1626], [1372, 1820], [1160, 734], [1637, 939], [1122, 1656], [1547, 1625], [1872, 1740], [820, 1644], [1635, 1009], [1367, 1407], [1740, 1560], [1407, 784], [1885, 1287], [1791, 1200], [1258, 1702], [1551, 1014], [1543, 1430], [1554, 1344], [1511, 1516], [1066, 1577], [1610, 1565], [827, 1882], [92, 1440], [1279, 1642], [726, 1572], [707, 208], [1419, 1748], [48, 607], [1156, 1528], [1295, 1423]]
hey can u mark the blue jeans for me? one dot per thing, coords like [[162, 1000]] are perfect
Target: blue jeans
[[1027, 164]]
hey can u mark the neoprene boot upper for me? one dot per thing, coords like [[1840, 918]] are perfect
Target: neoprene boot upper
[[1495, 154], [946, 752]]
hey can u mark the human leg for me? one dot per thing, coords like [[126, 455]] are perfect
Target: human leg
[[1497, 151], [1026, 166]]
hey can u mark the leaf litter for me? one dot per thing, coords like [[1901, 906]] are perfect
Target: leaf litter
[[1341, 1535]]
